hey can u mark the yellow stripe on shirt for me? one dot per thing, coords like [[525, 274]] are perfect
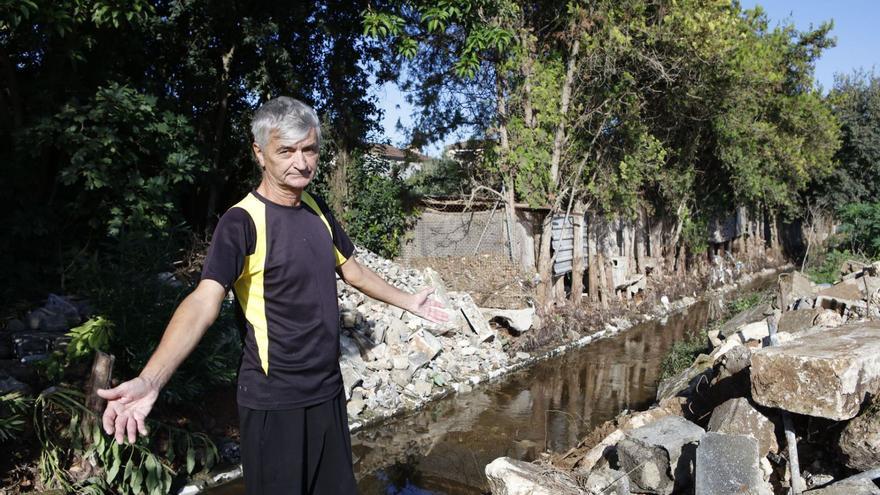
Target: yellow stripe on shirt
[[249, 286]]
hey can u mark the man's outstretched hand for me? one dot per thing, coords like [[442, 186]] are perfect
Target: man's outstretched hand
[[428, 307], [128, 405]]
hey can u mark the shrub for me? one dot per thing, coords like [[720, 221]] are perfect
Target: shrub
[[376, 217], [860, 228], [67, 431], [123, 284]]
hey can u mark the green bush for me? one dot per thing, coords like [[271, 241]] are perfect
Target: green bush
[[743, 303], [122, 283], [376, 215], [860, 228], [67, 432], [827, 267]]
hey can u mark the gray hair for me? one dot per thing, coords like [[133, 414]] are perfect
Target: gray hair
[[291, 118]]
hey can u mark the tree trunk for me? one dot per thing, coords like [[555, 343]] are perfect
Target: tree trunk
[[545, 264], [339, 183], [15, 106], [577, 265], [603, 279], [559, 139], [219, 124], [592, 271], [510, 192]]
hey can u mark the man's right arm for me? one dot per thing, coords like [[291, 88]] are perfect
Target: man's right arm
[[129, 403]]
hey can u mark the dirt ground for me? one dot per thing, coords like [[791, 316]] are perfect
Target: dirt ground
[[492, 280]]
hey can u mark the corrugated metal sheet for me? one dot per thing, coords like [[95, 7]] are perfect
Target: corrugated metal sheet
[[562, 241]]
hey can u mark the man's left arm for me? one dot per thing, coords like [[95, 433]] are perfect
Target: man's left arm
[[371, 284]]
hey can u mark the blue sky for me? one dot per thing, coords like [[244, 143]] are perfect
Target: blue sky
[[855, 27]]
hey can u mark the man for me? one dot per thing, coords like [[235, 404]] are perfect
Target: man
[[279, 249]]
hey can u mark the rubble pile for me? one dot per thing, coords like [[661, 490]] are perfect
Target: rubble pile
[[393, 360], [806, 367]]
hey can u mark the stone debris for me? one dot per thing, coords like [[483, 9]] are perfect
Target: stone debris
[[395, 359], [856, 487], [520, 320], [824, 362], [659, 457], [751, 315], [860, 439], [826, 374], [508, 476], [728, 463], [739, 417], [608, 481]]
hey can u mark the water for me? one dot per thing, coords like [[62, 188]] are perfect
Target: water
[[445, 447]]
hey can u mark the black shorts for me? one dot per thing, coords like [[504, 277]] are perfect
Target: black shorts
[[299, 451]]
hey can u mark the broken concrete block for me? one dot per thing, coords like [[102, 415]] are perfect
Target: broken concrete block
[[826, 374], [828, 318], [855, 487], [791, 287], [520, 320], [751, 315], [683, 383], [794, 322], [508, 476], [475, 318], [432, 278], [659, 456], [426, 343], [753, 331], [351, 378], [607, 481], [860, 440], [739, 417], [728, 464]]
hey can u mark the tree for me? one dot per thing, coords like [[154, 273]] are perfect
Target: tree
[[685, 108], [855, 101]]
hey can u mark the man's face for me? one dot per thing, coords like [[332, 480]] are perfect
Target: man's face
[[289, 164]]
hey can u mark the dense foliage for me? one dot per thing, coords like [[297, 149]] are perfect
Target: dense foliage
[[855, 100], [376, 213], [685, 108], [134, 116]]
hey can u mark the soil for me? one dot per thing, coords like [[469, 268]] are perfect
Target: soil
[[492, 280]]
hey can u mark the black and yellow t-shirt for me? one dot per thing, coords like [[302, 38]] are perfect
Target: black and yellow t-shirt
[[280, 261]]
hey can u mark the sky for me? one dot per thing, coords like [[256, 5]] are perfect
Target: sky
[[855, 27]]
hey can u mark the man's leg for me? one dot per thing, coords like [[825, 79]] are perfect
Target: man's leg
[[330, 467], [273, 447]]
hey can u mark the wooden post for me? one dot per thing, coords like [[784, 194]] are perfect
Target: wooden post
[[102, 372]]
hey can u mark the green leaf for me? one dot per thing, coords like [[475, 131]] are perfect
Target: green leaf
[[190, 459]]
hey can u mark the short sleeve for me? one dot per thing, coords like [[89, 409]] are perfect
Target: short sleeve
[[233, 240], [341, 241]]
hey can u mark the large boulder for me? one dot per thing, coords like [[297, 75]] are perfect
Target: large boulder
[[659, 457], [508, 476], [728, 464], [826, 374], [739, 417]]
